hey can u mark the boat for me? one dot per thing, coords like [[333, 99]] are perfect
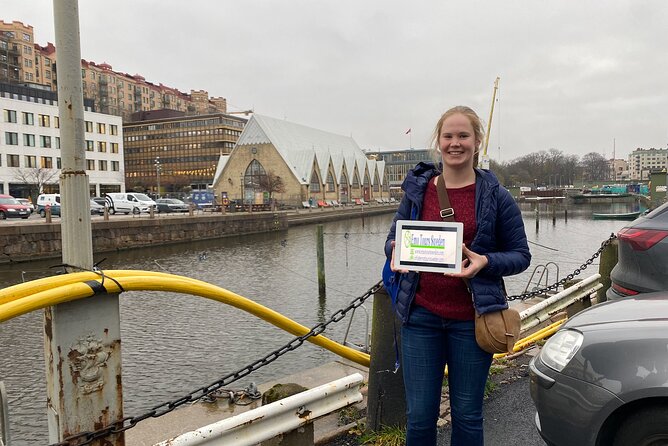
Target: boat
[[618, 216]]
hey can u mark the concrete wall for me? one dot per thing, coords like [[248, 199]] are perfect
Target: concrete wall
[[24, 242]]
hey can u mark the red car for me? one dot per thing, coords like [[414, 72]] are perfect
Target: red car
[[10, 208]]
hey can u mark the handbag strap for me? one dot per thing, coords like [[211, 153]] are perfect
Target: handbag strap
[[447, 212]]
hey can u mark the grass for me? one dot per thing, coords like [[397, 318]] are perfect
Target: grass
[[387, 436]]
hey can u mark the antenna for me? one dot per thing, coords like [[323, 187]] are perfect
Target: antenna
[[484, 159]]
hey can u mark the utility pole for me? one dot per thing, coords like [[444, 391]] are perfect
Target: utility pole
[[81, 338], [157, 173]]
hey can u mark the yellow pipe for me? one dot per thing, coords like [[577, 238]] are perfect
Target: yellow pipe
[[47, 295], [541, 334]]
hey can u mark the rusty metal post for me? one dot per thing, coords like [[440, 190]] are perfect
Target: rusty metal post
[[609, 258], [81, 338]]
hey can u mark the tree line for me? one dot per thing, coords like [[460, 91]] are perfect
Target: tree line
[[552, 168]]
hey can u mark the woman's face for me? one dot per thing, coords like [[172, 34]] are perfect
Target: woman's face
[[457, 142]]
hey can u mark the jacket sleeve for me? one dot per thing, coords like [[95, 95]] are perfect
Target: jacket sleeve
[[403, 213], [512, 254]]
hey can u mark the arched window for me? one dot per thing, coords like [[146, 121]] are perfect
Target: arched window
[[253, 178], [314, 186], [330, 182]]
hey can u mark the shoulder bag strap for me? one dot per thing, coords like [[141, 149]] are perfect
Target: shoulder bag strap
[[447, 213]]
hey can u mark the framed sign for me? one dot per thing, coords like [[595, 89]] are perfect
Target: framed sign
[[434, 246]]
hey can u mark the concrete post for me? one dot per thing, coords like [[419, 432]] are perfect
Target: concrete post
[[81, 338], [609, 258], [386, 404]]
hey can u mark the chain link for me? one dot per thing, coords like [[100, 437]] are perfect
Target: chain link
[[569, 277], [126, 423]]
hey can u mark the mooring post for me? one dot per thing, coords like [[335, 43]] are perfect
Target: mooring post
[[386, 404], [609, 258], [82, 344], [320, 252], [537, 218]]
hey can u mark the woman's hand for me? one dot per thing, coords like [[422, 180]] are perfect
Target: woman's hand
[[471, 264], [402, 271]]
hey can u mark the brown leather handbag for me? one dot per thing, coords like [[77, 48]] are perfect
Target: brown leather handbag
[[497, 331]]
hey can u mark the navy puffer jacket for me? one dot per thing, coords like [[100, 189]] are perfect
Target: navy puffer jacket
[[499, 235]]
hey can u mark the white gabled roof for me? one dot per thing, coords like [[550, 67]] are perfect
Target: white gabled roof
[[222, 161], [300, 146]]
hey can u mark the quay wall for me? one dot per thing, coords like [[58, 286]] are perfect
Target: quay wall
[[25, 241]]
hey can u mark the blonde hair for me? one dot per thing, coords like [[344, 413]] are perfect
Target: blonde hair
[[476, 123]]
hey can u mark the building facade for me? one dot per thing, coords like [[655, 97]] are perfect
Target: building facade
[[30, 159], [310, 165], [179, 152], [398, 163], [644, 161], [112, 92]]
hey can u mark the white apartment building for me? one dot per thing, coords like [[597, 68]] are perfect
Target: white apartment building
[[642, 161], [30, 145]]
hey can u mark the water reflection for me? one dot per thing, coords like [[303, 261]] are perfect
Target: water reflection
[[173, 343]]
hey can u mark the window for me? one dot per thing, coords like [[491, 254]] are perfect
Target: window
[[101, 146], [56, 122], [29, 76], [26, 37], [89, 126], [58, 163], [101, 128], [47, 74], [11, 138], [58, 143], [90, 146], [27, 49], [114, 147], [90, 164], [102, 165], [44, 120], [46, 162], [47, 61], [113, 129], [28, 140], [31, 161], [44, 141], [10, 115], [114, 166], [27, 63], [13, 161], [28, 118]]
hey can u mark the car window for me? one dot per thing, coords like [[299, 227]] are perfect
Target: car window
[[660, 212], [58, 200]]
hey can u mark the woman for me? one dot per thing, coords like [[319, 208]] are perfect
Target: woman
[[437, 310]]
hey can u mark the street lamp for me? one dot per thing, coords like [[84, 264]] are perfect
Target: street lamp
[[157, 173], [241, 185]]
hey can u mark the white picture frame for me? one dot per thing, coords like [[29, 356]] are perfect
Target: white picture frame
[[434, 246]]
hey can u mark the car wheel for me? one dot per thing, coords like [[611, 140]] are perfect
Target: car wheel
[[2, 216], [42, 213], [112, 211], [135, 211], [647, 427]]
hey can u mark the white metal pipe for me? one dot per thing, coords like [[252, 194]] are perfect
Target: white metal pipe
[[4, 416], [551, 300], [276, 418]]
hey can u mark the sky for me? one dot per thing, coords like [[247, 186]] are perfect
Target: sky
[[578, 76]]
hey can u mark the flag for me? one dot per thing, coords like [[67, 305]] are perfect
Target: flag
[[408, 131]]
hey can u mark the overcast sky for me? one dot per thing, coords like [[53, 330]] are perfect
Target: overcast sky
[[578, 76]]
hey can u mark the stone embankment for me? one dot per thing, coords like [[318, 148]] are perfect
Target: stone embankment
[[28, 240]]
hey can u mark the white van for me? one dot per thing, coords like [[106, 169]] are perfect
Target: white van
[[50, 200], [129, 202]]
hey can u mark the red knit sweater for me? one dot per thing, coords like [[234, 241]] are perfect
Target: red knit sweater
[[445, 296]]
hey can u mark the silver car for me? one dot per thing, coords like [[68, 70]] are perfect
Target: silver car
[[643, 256], [602, 379]]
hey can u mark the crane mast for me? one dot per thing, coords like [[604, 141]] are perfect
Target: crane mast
[[484, 159]]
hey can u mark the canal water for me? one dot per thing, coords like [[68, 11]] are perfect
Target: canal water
[[173, 343]]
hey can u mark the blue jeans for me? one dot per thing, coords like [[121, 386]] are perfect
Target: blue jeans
[[428, 343]]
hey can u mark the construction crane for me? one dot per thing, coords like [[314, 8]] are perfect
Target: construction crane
[[484, 159], [241, 112]]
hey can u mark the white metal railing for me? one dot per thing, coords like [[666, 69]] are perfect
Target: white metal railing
[[542, 311], [276, 418]]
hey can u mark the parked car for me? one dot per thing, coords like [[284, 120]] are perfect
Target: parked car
[[99, 200], [27, 203], [11, 208], [643, 256], [602, 378], [50, 200], [171, 205], [96, 208]]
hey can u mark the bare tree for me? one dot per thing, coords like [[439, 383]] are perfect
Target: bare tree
[[595, 167], [37, 178], [272, 184]]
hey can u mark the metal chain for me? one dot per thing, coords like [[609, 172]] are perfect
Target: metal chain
[[126, 423], [569, 277]]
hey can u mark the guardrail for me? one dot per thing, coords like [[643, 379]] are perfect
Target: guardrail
[[276, 418]]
